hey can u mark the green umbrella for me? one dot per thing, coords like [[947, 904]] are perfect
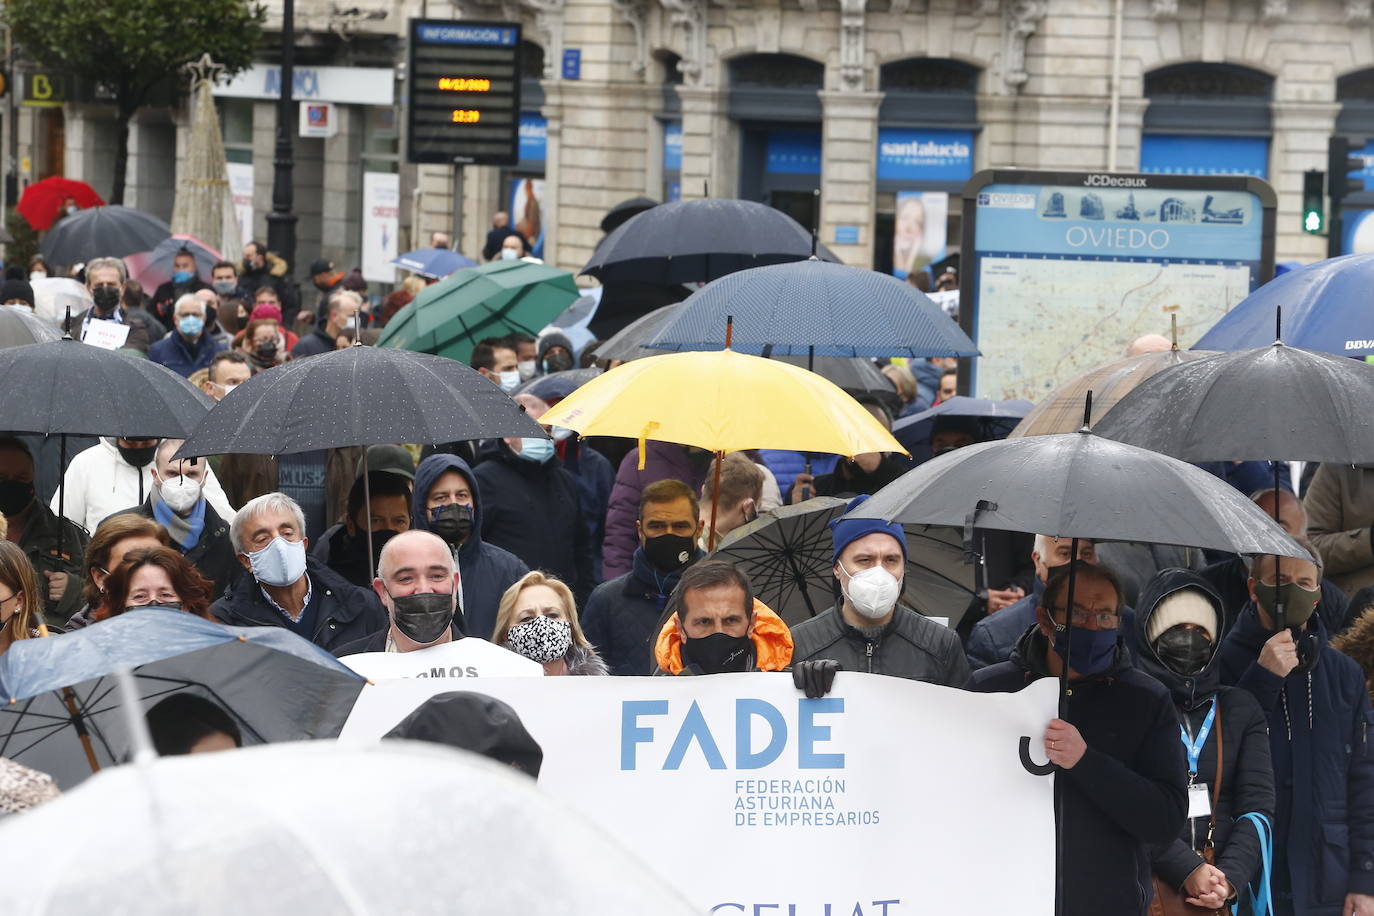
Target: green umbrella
[[493, 300]]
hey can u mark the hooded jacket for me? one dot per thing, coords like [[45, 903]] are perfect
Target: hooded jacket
[[1126, 795], [1247, 779], [473, 722], [99, 483], [664, 461], [767, 631], [344, 613], [485, 571], [1323, 763], [910, 646], [533, 511]]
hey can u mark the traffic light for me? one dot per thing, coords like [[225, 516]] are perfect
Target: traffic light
[[1313, 213], [1346, 165]]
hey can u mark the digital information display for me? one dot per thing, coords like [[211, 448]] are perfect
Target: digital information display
[[463, 92], [1061, 271]]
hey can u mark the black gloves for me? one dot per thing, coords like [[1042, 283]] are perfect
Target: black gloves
[[815, 677]]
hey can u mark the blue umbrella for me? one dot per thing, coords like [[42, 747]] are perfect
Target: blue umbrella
[[996, 419], [435, 263], [1325, 307], [814, 308], [62, 716]]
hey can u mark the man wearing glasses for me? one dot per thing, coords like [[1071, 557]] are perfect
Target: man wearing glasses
[[1121, 784]]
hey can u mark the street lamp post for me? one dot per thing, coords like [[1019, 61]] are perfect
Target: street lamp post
[[281, 222]]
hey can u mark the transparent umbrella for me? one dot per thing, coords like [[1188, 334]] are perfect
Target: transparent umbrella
[[314, 827]]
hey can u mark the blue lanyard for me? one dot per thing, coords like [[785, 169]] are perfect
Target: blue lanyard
[[1194, 747]]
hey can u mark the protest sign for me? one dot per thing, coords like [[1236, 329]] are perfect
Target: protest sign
[[107, 335], [462, 658], [888, 797]]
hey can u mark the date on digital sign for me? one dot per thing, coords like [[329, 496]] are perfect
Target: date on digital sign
[[463, 92]]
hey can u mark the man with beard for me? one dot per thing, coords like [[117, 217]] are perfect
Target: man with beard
[[717, 626]]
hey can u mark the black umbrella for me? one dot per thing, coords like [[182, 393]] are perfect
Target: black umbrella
[[1274, 402], [358, 396], [623, 211], [103, 232], [19, 326], [65, 388], [855, 375], [628, 342], [697, 241], [789, 558], [557, 384]]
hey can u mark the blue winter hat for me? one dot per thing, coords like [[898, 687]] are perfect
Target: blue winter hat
[[845, 531]]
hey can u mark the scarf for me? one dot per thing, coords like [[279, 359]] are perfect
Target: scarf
[[185, 532]]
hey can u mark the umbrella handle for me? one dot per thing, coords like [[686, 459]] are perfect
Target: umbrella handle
[[70, 699], [806, 469]]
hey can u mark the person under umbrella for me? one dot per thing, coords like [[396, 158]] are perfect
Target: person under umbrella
[[116, 538], [715, 625], [21, 605], [1318, 715], [17, 292], [448, 502], [477, 723], [1181, 623], [177, 501], [155, 577], [184, 723], [105, 278], [538, 619], [867, 630], [35, 527], [1121, 782], [192, 344], [554, 353], [289, 588], [740, 497], [863, 474], [384, 510], [185, 279], [419, 585]]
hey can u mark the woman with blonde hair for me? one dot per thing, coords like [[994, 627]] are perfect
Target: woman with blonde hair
[[21, 601], [537, 618]]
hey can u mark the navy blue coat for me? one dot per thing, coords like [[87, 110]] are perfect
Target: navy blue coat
[[595, 478], [1323, 768], [621, 618], [182, 358], [1127, 794], [342, 612], [485, 571]]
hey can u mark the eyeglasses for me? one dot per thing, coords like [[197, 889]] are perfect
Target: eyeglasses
[[1104, 620]]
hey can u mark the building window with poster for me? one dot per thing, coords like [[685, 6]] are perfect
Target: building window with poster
[[927, 126], [670, 118], [380, 225], [523, 186], [1355, 123]]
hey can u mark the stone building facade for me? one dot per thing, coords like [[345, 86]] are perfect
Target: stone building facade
[[828, 109]]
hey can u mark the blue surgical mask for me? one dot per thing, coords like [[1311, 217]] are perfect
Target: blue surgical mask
[[536, 450], [280, 563], [1089, 651], [182, 276], [190, 325]]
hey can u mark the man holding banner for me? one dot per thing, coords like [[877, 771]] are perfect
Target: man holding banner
[[1122, 780]]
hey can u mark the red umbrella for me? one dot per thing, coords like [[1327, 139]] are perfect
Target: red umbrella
[[42, 201]]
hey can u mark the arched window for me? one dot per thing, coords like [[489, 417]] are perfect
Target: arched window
[[1207, 119]]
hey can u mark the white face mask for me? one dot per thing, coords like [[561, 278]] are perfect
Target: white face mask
[[181, 494], [509, 254], [226, 389], [510, 380], [873, 592], [526, 367]]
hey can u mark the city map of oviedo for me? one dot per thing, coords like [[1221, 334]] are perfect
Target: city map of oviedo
[[1064, 270]]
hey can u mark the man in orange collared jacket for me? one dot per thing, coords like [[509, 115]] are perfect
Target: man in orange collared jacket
[[717, 626]]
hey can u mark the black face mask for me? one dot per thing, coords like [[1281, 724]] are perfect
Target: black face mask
[[379, 538], [720, 653], [557, 362], [106, 298], [1184, 650], [452, 522], [423, 618], [669, 552], [15, 496], [137, 457], [266, 351]]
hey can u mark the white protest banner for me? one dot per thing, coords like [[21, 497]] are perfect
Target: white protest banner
[[241, 189], [107, 335], [461, 658], [888, 797], [381, 225]]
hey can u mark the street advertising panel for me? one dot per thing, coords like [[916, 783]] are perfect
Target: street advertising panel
[[463, 92]]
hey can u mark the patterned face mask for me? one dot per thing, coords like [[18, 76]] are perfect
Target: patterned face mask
[[542, 639]]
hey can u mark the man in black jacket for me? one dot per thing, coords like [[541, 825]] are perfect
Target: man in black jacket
[[289, 589], [34, 527], [1122, 773], [417, 582], [532, 507], [177, 503], [867, 630]]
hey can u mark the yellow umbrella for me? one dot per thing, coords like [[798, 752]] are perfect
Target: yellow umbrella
[[723, 401]]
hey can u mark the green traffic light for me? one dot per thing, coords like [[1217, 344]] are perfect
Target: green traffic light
[[1312, 221]]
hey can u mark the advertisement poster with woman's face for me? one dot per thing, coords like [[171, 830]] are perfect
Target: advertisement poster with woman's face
[[919, 234], [526, 204]]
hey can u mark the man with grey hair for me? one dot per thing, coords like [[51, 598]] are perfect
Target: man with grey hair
[[340, 313], [288, 587], [191, 346], [417, 583], [105, 278]]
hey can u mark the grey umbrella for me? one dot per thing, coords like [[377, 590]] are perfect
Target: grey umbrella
[[628, 343], [19, 326], [112, 231]]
